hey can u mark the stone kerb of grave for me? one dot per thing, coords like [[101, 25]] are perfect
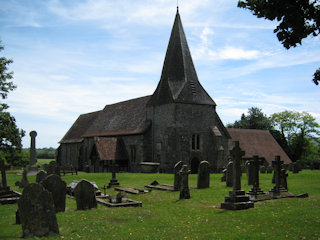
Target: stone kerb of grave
[[237, 199], [37, 213], [177, 176], [184, 188], [203, 175], [85, 195], [58, 189]]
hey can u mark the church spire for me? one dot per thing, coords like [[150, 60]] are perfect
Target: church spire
[[179, 81]]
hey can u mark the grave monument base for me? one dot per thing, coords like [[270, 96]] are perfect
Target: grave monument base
[[113, 182], [237, 200]]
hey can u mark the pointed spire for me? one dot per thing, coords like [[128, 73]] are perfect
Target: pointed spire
[[179, 81]]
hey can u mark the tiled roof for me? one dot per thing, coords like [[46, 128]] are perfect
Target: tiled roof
[[179, 81], [110, 149], [257, 142]]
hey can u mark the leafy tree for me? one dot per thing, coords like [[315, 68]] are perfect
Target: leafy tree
[[297, 19], [296, 128], [255, 119], [10, 145]]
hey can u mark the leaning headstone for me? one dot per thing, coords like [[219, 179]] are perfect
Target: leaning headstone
[[177, 176], [184, 188], [58, 189], [237, 199], [24, 181], [33, 168], [224, 173], [85, 195], [229, 175], [204, 175], [53, 168], [36, 210], [40, 176], [250, 172]]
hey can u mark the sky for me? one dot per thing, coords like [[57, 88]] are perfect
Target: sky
[[74, 57]]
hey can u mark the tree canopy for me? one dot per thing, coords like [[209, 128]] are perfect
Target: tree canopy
[[10, 134], [297, 19]]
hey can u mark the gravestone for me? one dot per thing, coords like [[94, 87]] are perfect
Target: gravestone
[[177, 176], [36, 210], [224, 173], [53, 168], [184, 188], [113, 181], [277, 189], [263, 169], [3, 167], [203, 175], [229, 175], [284, 176], [250, 171], [269, 169], [85, 195], [40, 176], [237, 199], [33, 168], [24, 181], [58, 189]]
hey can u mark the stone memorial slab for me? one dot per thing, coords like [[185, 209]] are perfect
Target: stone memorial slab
[[85, 195], [37, 213], [132, 190], [73, 184], [157, 186], [58, 188], [177, 176], [203, 175], [119, 200], [184, 188]]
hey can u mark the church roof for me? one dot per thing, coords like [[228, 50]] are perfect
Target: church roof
[[123, 118], [179, 81], [258, 142], [109, 149]]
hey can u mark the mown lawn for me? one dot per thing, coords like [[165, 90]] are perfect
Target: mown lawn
[[163, 216]]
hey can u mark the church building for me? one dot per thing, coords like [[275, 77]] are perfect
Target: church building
[[178, 122]]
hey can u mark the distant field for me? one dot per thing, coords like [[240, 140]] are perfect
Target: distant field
[[163, 216], [43, 161]]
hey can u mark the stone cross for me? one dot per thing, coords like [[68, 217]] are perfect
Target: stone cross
[[33, 153], [3, 168], [184, 188], [113, 181], [256, 163], [237, 155], [276, 164]]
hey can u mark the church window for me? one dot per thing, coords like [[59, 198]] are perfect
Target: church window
[[195, 142], [133, 153]]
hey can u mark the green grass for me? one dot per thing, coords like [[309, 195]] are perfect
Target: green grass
[[41, 161], [163, 216]]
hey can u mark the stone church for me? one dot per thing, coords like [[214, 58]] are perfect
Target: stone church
[[178, 122]]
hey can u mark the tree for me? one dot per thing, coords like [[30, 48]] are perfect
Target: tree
[[255, 119], [10, 145], [297, 19], [297, 129]]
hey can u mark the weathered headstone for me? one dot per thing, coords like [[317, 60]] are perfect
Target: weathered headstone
[[277, 189], [263, 169], [224, 173], [53, 168], [250, 171], [33, 168], [255, 192], [36, 210], [184, 188], [58, 189], [269, 169], [85, 195], [113, 180], [237, 199], [40, 176], [24, 181], [229, 174], [177, 176], [204, 175]]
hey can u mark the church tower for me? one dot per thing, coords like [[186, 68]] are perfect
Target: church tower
[[184, 123]]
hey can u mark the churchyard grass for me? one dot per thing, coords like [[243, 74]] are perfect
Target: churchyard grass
[[43, 161], [163, 216]]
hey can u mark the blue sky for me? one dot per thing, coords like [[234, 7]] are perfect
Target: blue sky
[[73, 57]]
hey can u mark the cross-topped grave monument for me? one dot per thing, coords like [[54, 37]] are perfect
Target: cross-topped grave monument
[[278, 188], [237, 199], [113, 181]]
